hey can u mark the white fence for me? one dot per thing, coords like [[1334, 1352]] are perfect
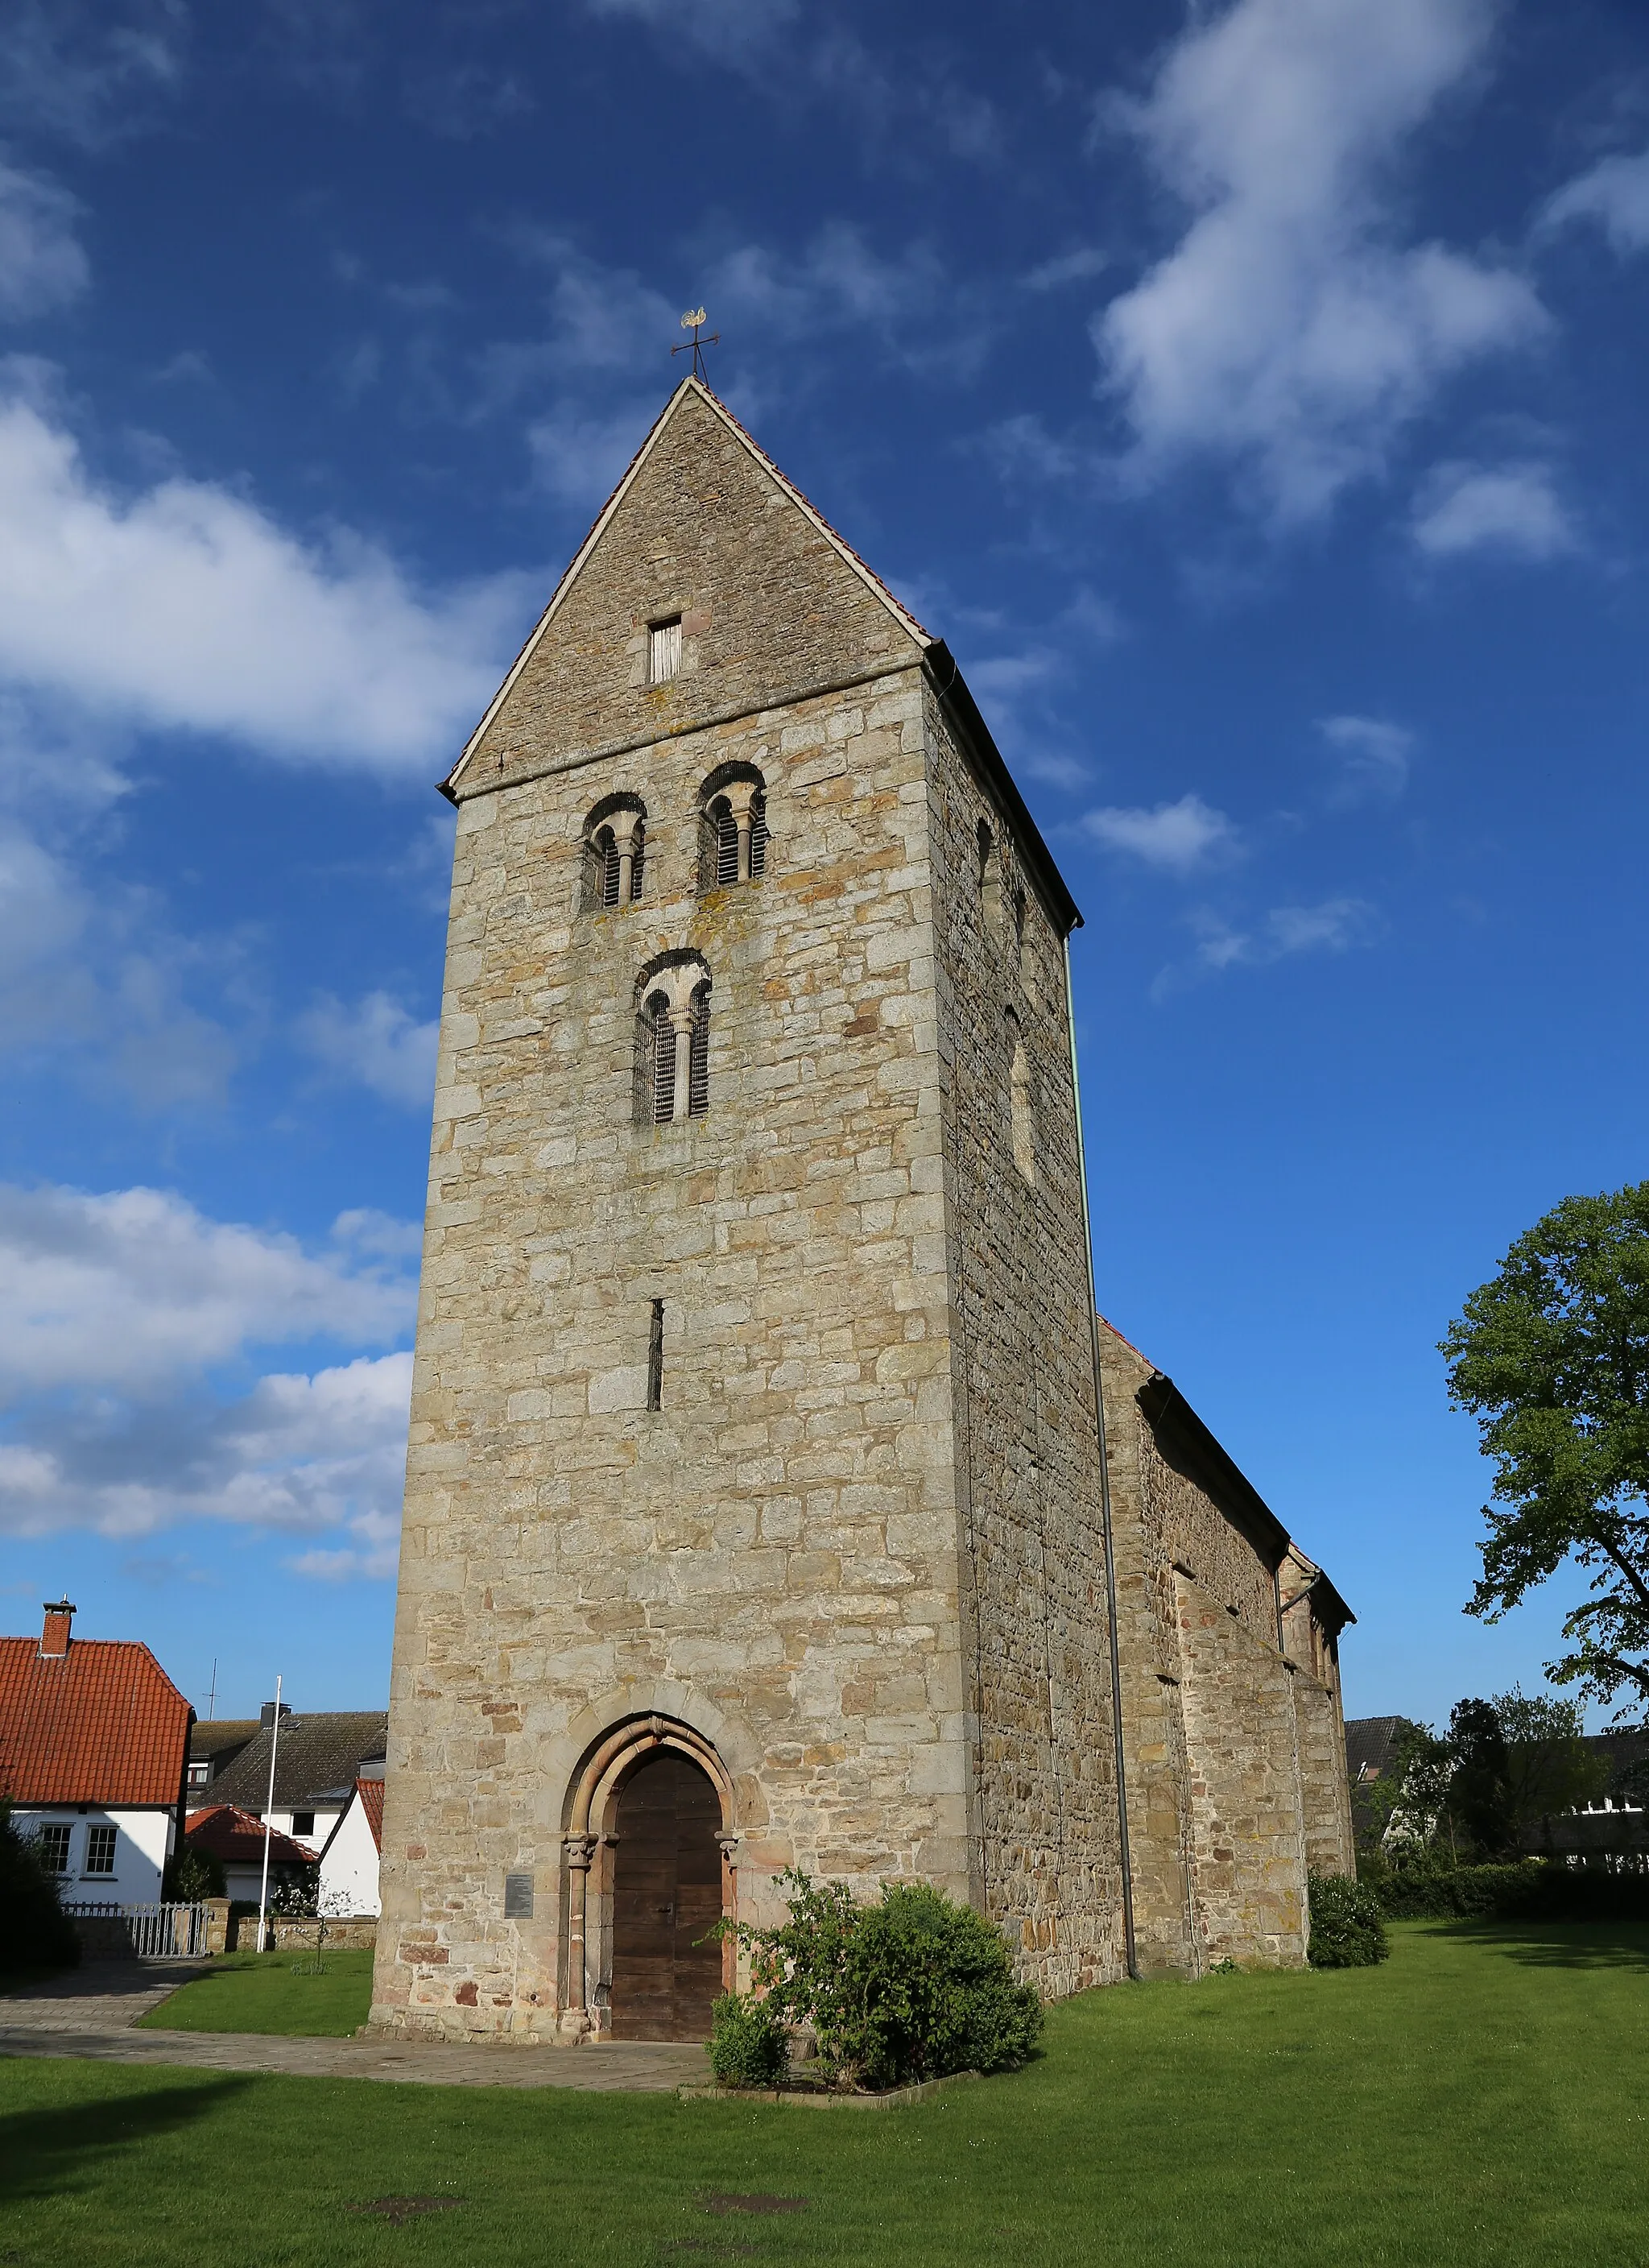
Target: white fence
[[152, 1932]]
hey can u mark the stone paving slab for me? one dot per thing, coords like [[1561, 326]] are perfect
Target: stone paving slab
[[617, 2067], [103, 1996]]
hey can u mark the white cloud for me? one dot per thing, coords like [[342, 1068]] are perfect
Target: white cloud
[[1177, 838], [1334, 926], [297, 1457], [1286, 330], [725, 30], [123, 1313], [186, 607], [377, 1043], [1513, 510], [130, 1290], [1372, 756], [89, 70], [95, 979], [42, 263], [1614, 194], [578, 458], [1077, 267]]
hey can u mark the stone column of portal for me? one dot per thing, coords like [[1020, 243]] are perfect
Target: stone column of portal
[[729, 1909], [625, 825], [740, 800], [575, 2017], [682, 1024]]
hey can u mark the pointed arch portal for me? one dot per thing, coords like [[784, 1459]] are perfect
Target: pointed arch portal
[[650, 1847]]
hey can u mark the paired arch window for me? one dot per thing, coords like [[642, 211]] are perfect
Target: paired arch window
[[673, 1041], [614, 853], [733, 829]]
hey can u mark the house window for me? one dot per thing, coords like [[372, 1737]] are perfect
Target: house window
[[101, 1850], [54, 1848], [199, 1774], [303, 1823], [664, 650]]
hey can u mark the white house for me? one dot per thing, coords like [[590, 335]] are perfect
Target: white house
[[318, 1758], [348, 1865], [94, 1740]]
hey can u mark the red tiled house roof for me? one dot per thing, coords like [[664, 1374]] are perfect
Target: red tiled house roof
[[235, 1838], [372, 1795], [101, 1723]]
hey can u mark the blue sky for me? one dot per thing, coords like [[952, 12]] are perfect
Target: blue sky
[[1253, 396]]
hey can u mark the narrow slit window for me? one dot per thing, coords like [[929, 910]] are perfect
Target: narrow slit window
[[664, 650], [758, 836], [609, 845], [655, 1358]]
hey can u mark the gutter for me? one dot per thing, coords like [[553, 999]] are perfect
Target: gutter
[[1123, 1853]]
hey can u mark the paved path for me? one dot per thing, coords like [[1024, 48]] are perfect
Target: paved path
[[90, 2014]]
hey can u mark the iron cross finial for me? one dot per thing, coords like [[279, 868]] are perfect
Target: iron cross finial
[[694, 321]]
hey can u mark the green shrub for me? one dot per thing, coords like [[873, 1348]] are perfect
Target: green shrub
[[1347, 1928], [911, 1988], [1533, 1889], [35, 1932], [191, 1875], [749, 2044]]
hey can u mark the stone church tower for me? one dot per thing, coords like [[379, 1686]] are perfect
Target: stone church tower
[[757, 1503]]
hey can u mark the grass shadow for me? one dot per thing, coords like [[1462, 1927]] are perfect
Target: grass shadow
[[1558, 1944], [42, 2151]]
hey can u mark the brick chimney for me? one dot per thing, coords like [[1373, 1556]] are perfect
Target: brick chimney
[[55, 1638]]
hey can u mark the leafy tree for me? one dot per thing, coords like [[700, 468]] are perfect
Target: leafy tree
[[35, 1932], [1549, 1767], [1551, 1357], [1479, 1804], [1405, 1803]]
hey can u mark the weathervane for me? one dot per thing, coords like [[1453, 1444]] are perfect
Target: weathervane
[[693, 322]]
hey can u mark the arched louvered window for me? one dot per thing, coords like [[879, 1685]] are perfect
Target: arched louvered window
[[698, 1055], [734, 829], [673, 1043], [726, 828], [615, 853], [662, 1052]]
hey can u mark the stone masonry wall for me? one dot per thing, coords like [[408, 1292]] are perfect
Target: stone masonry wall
[[775, 1548], [1248, 1856], [1226, 1738], [772, 1554], [1038, 1667]]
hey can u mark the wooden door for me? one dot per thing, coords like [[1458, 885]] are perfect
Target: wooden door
[[666, 1894]]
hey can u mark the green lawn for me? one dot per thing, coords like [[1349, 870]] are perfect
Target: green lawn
[[1481, 2099], [272, 1992]]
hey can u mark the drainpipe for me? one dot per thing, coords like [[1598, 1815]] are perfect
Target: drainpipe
[[1104, 1497]]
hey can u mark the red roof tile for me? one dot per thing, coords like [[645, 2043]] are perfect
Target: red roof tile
[[100, 1724], [237, 1837], [372, 1795]]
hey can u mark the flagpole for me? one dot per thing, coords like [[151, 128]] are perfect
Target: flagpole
[[268, 1825]]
